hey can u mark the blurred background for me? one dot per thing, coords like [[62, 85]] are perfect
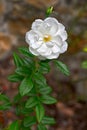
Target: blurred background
[[16, 17]]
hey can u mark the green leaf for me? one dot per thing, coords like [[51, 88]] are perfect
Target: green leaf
[[41, 127], [4, 102], [48, 120], [17, 98], [4, 98], [29, 121], [44, 67], [25, 51], [40, 112], [44, 89], [31, 102], [46, 99], [39, 79], [32, 92], [18, 110], [62, 67], [25, 86], [29, 63], [21, 110], [25, 128], [17, 60], [24, 70], [84, 65], [15, 78], [14, 126], [26, 111]]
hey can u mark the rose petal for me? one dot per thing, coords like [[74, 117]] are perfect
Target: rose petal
[[56, 49], [63, 35], [31, 37], [42, 49], [33, 51], [58, 40], [53, 56], [36, 24], [61, 27], [53, 23], [47, 53], [49, 44], [36, 44], [64, 47]]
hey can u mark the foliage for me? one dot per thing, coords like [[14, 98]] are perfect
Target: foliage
[[29, 73]]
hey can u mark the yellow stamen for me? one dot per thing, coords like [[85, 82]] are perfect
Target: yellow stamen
[[47, 38]]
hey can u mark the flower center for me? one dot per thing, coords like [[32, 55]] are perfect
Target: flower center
[[47, 38]]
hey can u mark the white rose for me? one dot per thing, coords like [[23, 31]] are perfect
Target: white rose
[[47, 38]]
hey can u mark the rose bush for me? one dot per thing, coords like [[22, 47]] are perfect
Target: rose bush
[[47, 40]]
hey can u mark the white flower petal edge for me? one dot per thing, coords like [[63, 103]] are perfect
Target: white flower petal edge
[[53, 23], [64, 47], [47, 38]]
